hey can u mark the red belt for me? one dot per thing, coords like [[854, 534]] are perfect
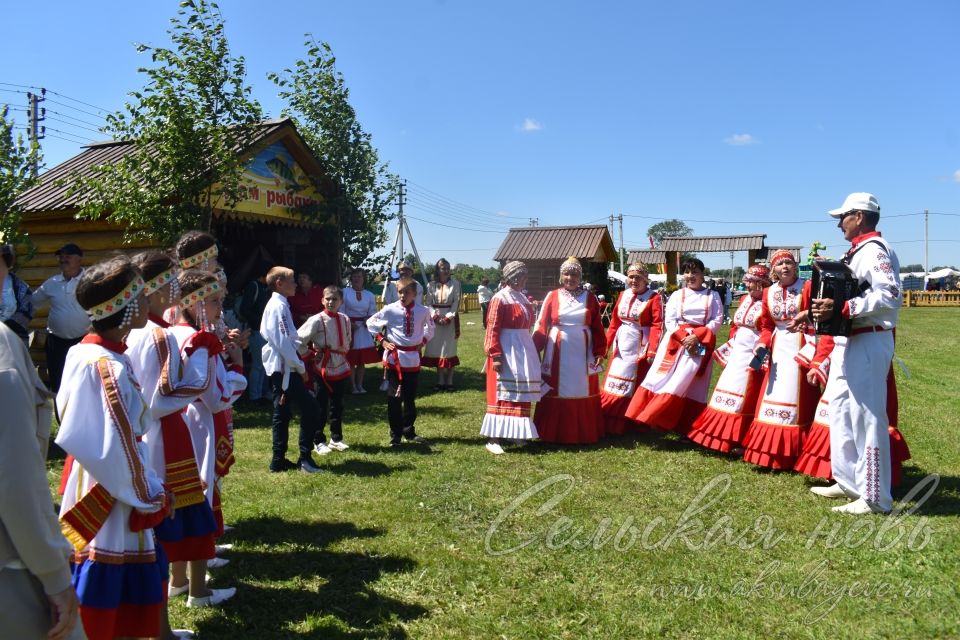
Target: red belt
[[871, 329], [324, 361], [396, 359]]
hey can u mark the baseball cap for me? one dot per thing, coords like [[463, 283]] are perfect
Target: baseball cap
[[70, 249], [857, 202]]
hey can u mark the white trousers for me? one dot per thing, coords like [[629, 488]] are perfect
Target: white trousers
[[859, 439]]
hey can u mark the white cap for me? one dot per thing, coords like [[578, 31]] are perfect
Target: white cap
[[857, 202]]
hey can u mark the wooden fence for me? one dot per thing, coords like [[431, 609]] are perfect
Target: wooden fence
[[931, 298]]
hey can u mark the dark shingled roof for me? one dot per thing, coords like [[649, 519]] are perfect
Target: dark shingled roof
[[557, 243], [713, 243], [50, 195], [646, 256]]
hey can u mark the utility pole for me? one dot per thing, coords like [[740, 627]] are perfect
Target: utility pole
[[534, 222], [620, 218], [926, 244], [36, 115]]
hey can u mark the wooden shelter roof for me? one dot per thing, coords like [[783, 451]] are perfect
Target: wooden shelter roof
[[646, 256], [693, 244], [53, 193], [591, 242]]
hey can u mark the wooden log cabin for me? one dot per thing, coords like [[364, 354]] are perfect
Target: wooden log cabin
[[264, 228]]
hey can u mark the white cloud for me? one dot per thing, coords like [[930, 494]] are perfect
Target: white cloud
[[529, 124], [740, 140], [503, 214], [956, 176]]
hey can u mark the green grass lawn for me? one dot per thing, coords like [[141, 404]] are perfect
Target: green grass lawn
[[609, 540]]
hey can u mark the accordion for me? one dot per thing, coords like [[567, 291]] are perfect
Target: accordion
[[834, 280]]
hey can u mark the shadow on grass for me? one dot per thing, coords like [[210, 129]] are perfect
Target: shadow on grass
[[407, 448], [945, 499], [365, 468], [298, 553]]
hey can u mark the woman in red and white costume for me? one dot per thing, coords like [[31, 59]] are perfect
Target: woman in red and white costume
[[633, 336], [724, 422], [674, 391], [513, 366], [787, 400], [443, 300], [570, 335], [112, 498], [358, 305]]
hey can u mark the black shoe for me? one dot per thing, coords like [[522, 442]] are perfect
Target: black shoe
[[395, 443], [282, 465]]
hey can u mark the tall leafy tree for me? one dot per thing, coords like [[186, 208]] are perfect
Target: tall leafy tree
[[17, 159], [668, 228], [319, 102], [187, 125]]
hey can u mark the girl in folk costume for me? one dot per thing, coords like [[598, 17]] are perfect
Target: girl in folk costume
[[169, 384], [200, 308], [674, 391], [443, 300], [327, 335], [787, 400], [634, 333], [724, 422], [358, 305], [513, 367], [814, 458], [571, 337], [112, 499]]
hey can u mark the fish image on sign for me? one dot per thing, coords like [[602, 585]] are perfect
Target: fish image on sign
[[283, 173]]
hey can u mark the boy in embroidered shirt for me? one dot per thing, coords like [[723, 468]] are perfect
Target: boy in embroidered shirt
[[402, 327], [327, 334], [287, 374]]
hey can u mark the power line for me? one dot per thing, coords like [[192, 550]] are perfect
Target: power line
[[818, 221], [447, 214], [81, 139], [80, 142], [70, 106], [439, 195], [446, 208], [92, 124], [439, 224], [78, 101], [70, 124]]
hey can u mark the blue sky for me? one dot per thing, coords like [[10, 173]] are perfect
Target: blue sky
[[738, 117]]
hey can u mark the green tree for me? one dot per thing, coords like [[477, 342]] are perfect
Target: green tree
[[668, 228], [187, 125], [318, 101], [17, 159]]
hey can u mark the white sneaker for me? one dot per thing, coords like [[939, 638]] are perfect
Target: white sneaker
[[173, 592], [223, 548], [832, 491], [338, 446], [384, 386], [186, 634], [361, 390], [357, 391], [216, 563], [322, 449], [494, 448], [859, 507], [216, 597]]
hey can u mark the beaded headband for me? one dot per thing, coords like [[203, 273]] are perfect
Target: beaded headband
[[160, 281], [196, 296], [118, 302], [206, 254], [571, 265], [781, 256], [639, 267]]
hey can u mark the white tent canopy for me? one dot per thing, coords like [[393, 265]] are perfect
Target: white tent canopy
[[616, 275]]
